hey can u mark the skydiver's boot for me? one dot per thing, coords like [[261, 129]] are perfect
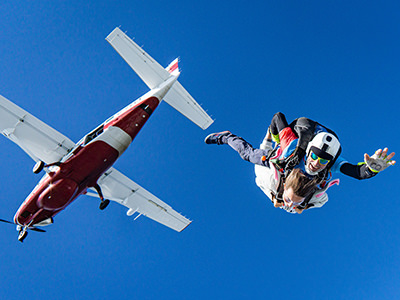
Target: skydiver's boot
[[216, 138]]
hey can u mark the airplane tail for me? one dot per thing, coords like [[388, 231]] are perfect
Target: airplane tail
[[153, 75]]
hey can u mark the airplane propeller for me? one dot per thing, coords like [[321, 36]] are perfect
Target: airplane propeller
[[36, 229], [29, 228], [5, 221]]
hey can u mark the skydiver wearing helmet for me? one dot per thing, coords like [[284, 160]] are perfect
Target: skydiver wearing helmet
[[306, 145], [321, 148]]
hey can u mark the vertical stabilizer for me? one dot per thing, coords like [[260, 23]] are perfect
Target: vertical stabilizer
[[173, 67]]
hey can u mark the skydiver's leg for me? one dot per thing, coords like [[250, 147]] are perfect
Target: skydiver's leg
[[279, 131], [245, 150], [278, 123]]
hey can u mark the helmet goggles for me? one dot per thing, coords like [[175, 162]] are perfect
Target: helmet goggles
[[322, 161]]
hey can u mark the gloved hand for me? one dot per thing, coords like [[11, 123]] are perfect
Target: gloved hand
[[379, 161], [294, 159]]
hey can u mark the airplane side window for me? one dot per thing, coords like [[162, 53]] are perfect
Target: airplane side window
[[25, 214], [95, 133]]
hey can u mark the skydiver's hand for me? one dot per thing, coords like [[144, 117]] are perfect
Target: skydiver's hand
[[298, 210], [379, 161], [278, 203], [294, 159]]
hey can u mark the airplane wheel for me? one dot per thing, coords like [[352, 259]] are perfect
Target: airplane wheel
[[22, 236], [38, 167], [104, 204]]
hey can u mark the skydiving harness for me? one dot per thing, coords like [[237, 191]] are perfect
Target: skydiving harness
[[285, 166], [281, 166], [318, 192], [306, 129], [272, 158]]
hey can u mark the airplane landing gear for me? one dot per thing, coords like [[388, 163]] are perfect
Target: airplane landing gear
[[104, 202], [22, 235], [38, 167]]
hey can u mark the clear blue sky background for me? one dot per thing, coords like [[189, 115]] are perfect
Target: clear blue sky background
[[335, 62]]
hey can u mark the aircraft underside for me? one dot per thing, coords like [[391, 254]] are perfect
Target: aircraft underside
[[82, 170], [73, 169]]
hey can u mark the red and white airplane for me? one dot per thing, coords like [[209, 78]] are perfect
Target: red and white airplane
[[86, 167]]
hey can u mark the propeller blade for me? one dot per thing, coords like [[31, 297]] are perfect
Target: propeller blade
[[36, 229], [29, 228], [5, 221]]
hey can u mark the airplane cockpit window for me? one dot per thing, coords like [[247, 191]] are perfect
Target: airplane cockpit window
[[92, 135]]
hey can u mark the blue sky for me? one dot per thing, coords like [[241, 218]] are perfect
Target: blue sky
[[334, 62]]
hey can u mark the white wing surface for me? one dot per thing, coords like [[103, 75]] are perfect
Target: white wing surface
[[148, 69], [37, 139], [119, 188], [153, 74]]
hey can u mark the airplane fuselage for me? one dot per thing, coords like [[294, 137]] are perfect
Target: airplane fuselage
[[82, 167]]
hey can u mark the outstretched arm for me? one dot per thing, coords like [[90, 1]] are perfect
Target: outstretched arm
[[372, 165]]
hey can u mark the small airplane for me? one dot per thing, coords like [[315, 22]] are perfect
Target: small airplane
[[86, 167]]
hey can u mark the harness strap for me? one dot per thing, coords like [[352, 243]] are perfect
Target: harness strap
[[279, 190]]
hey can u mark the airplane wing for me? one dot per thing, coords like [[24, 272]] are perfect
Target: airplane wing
[[37, 139], [117, 187]]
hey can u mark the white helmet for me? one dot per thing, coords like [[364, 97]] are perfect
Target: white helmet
[[324, 145]]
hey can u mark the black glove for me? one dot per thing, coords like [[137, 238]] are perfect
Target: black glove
[[294, 159]]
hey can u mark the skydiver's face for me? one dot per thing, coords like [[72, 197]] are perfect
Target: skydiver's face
[[290, 198], [314, 165]]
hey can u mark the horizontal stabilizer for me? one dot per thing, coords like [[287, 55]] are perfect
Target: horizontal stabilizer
[[153, 74]]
